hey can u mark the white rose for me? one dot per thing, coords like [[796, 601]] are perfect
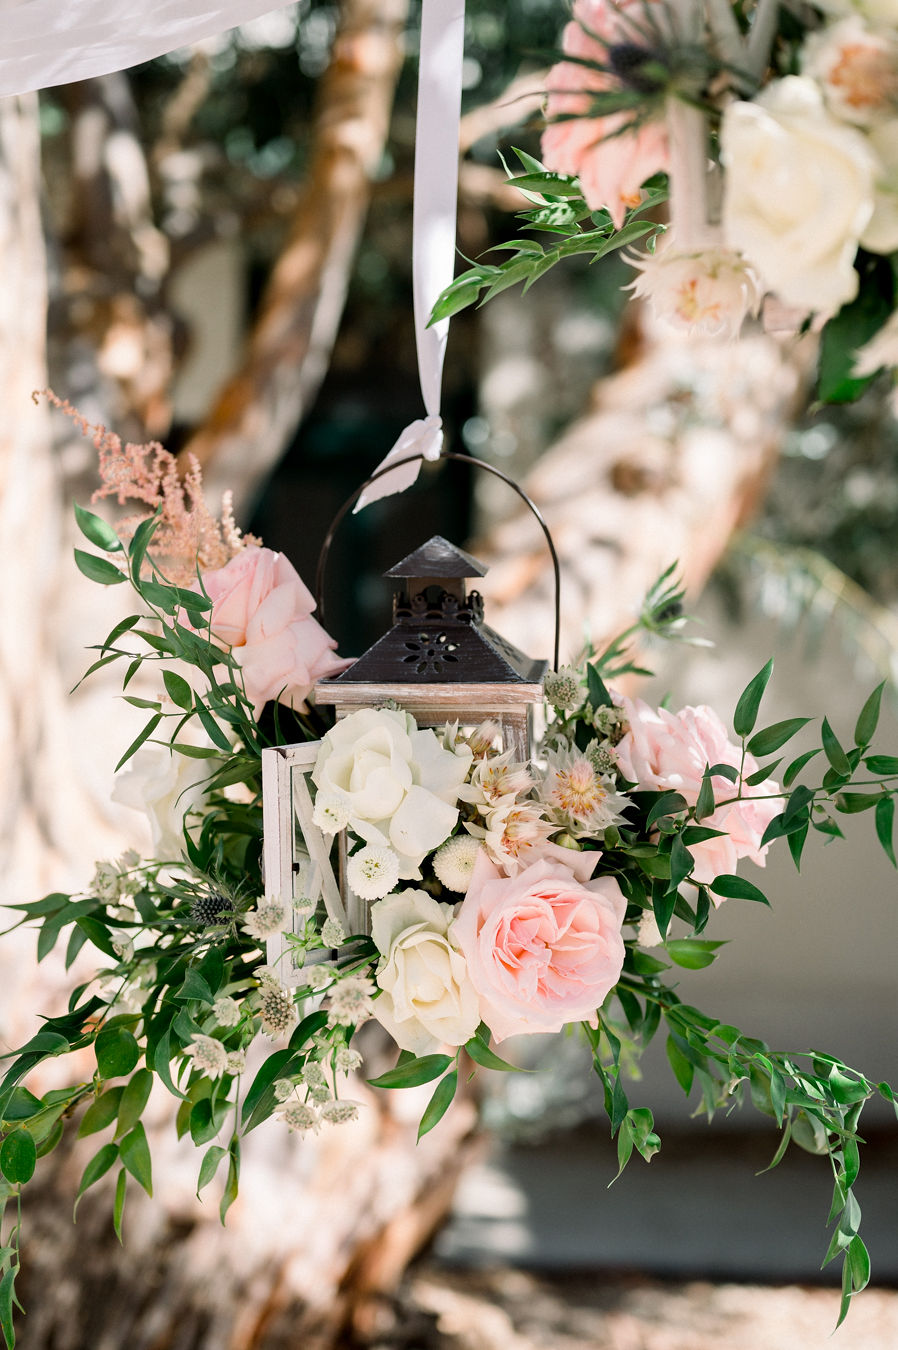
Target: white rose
[[856, 67], [881, 235], [798, 193], [397, 782], [167, 786], [427, 999]]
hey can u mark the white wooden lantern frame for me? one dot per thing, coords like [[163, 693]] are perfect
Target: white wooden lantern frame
[[290, 873]]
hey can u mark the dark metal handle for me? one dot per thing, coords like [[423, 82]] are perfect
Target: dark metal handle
[[463, 459]]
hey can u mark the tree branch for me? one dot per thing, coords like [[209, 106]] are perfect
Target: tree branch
[[286, 357]]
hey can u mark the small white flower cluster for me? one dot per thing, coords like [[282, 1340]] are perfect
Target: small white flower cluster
[[351, 1002], [453, 862], [213, 1058], [276, 1006], [373, 872], [578, 798], [562, 688]]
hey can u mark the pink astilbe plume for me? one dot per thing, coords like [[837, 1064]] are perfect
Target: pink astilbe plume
[[187, 535]]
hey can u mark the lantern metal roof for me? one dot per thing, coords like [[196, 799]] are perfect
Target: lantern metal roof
[[438, 634]]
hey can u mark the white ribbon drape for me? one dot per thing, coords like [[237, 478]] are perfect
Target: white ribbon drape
[[47, 42], [433, 229]]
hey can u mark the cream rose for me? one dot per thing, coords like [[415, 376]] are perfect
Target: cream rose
[[426, 997], [543, 948], [798, 193], [167, 787], [399, 785], [856, 67]]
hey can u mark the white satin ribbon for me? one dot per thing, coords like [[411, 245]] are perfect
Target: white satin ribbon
[[47, 42], [433, 229]]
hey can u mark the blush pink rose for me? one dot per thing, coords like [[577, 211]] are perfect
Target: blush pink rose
[[610, 155], [668, 752], [542, 948], [262, 610]]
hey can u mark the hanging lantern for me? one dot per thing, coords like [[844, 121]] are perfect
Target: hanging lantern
[[440, 662]]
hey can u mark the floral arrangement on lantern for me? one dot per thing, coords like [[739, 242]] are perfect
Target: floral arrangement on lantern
[[504, 897], [773, 131]]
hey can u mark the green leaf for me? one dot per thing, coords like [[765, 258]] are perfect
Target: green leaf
[[850, 803], [761, 775], [135, 1153], [97, 933], [598, 694], [139, 739], [885, 820], [885, 766], [488, 1059], [413, 1072], [162, 1055], [749, 703], [439, 1103], [195, 987], [98, 569], [683, 1071], [206, 1119], [141, 542], [7, 1298], [100, 1113], [272, 1068], [681, 863], [97, 530], [18, 1157], [796, 767], [178, 690], [692, 953], [195, 751], [209, 1166], [848, 330], [737, 888], [22, 1105], [773, 737], [663, 905], [135, 1096], [117, 1052], [118, 1209], [98, 1166], [833, 750], [868, 719], [667, 804], [233, 1181], [704, 805], [859, 1261]]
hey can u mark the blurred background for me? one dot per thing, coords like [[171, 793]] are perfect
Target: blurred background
[[214, 250]]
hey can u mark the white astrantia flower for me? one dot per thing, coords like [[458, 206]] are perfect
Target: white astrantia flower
[[236, 1062], [105, 883], [313, 1074], [398, 782], [881, 351], [577, 797], [351, 1001], [347, 1060], [298, 1116], [267, 974], [372, 872], [707, 293], [267, 920], [454, 861], [320, 1093], [331, 812], [226, 1012], [278, 1011], [648, 933], [332, 934], [122, 945], [798, 193], [283, 1088], [303, 906], [209, 1055], [319, 977], [339, 1113], [562, 688]]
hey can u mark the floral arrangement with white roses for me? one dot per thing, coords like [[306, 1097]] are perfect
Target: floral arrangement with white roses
[[506, 898], [773, 131]]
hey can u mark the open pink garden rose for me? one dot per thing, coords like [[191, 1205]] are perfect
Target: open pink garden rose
[[611, 156], [668, 752], [262, 610], [543, 948]]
